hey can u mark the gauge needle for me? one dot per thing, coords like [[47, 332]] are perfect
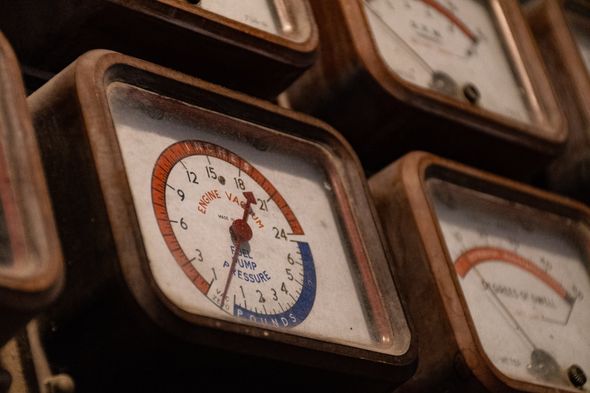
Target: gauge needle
[[241, 232], [505, 309], [542, 363], [452, 18]]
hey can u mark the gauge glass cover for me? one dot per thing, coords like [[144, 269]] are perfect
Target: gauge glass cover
[[524, 274], [454, 47], [208, 198], [286, 18]]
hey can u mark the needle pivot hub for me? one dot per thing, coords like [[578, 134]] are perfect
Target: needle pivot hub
[[240, 231]]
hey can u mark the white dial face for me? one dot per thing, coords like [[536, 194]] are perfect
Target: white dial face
[[524, 275], [451, 46], [242, 228], [279, 17], [580, 26]]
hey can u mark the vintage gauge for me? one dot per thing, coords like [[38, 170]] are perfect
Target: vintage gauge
[[30, 256], [212, 223], [256, 46], [497, 276], [562, 29], [459, 77]]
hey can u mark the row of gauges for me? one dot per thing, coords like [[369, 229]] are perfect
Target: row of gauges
[[168, 234]]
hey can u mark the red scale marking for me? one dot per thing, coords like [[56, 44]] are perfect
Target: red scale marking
[[167, 160], [478, 255]]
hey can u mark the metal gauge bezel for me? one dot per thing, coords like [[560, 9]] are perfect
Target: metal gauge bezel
[[290, 10], [37, 275], [93, 73], [213, 25], [525, 61], [417, 169], [550, 26], [550, 18]]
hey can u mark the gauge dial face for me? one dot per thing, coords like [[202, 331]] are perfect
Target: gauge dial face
[[580, 26], [524, 275], [279, 17], [264, 289], [453, 47], [243, 227]]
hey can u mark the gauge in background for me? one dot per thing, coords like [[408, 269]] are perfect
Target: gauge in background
[[30, 256], [458, 77], [562, 29], [219, 232], [578, 18], [452, 47], [499, 290], [276, 17], [259, 47]]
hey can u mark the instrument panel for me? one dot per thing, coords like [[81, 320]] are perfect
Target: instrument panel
[[353, 196]]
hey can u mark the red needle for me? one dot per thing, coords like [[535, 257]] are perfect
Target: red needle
[[452, 17], [241, 232]]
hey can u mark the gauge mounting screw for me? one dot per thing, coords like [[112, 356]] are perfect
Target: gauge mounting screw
[[576, 375], [471, 93]]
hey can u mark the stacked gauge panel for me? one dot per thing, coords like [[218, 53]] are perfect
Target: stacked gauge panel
[[294, 195]]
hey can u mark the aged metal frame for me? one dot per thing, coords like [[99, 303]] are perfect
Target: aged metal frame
[[450, 352], [74, 106], [389, 116], [571, 80], [173, 33], [35, 276]]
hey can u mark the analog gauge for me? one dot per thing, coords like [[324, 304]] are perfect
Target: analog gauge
[[274, 17], [504, 274], [524, 274], [579, 24], [235, 230], [30, 256], [562, 30], [403, 75], [455, 47], [255, 46], [238, 229]]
